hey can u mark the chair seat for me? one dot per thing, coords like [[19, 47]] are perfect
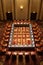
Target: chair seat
[[38, 45], [33, 53], [9, 26], [4, 45], [14, 53], [38, 50], [3, 50], [7, 36], [6, 40], [8, 53], [7, 33], [20, 53], [27, 53]]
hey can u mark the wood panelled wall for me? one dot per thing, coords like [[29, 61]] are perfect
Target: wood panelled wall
[[14, 7], [21, 13], [1, 12]]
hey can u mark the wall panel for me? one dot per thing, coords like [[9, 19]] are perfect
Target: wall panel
[[35, 6], [14, 7], [7, 6], [21, 13], [1, 12], [41, 12]]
